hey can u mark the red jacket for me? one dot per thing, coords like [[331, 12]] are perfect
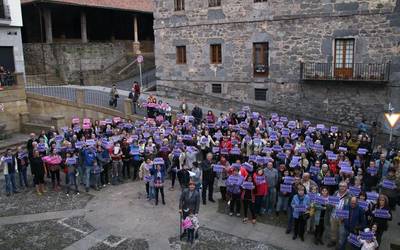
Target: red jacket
[[226, 144], [261, 189]]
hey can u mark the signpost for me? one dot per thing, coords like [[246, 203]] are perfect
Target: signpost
[[140, 61]]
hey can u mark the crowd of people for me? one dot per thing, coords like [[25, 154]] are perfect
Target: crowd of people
[[328, 182]]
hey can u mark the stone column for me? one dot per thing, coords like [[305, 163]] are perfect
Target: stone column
[[58, 121], [48, 25], [136, 43], [83, 28]]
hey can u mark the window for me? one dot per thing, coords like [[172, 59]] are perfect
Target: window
[[259, 1], [181, 55], [179, 5], [344, 55], [215, 53], [216, 88], [214, 3], [260, 94], [260, 59]]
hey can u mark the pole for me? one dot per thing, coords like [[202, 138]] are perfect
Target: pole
[[391, 134], [140, 72]]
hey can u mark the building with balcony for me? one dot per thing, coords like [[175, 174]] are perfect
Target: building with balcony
[[336, 61], [66, 40]]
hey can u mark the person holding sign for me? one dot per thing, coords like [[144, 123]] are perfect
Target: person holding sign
[[261, 189], [321, 215], [38, 170], [354, 220], [22, 163], [71, 163], [248, 199], [390, 186], [371, 177], [381, 215], [9, 165], [158, 173], [368, 244], [145, 175], [300, 205], [233, 185], [208, 176]]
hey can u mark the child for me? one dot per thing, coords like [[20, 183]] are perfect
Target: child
[[368, 244], [71, 162], [300, 205], [192, 227]]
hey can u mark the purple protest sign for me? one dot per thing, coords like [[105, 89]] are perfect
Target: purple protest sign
[[353, 239], [286, 188], [342, 149], [332, 157], [22, 155], [218, 168], [363, 204], [291, 124], [333, 200], [357, 163], [288, 180], [158, 161], [149, 149], [320, 126], [318, 147], [320, 200], [234, 180], [294, 136], [224, 151], [260, 180], [302, 149], [344, 164], [306, 123], [330, 181], [179, 145], [287, 146], [187, 137], [176, 152], [367, 235], [362, 151], [334, 129], [342, 214], [248, 185], [300, 208], [70, 161], [281, 155], [266, 150], [148, 178], [372, 170], [382, 213], [90, 142], [236, 165], [235, 151], [135, 152], [372, 196], [389, 184], [248, 166], [253, 158], [355, 191], [215, 150], [164, 149], [78, 144], [276, 148], [346, 170], [314, 169]]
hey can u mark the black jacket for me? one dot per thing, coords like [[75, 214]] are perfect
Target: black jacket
[[186, 202]]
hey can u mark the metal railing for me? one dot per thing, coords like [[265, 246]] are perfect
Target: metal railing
[[363, 72], [61, 92], [8, 80]]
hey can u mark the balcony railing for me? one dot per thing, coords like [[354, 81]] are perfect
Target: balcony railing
[[7, 80], [356, 72]]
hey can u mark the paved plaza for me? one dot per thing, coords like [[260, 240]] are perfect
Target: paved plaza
[[120, 217]]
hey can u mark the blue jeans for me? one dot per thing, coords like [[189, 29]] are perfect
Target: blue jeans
[[282, 204], [10, 183], [88, 169], [152, 192], [23, 180], [72, 182], [270, 200]]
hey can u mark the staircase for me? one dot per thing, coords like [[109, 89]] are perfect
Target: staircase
[[44, 79]]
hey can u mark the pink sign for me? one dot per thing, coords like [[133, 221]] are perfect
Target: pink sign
[[86, 126], [117, 119]]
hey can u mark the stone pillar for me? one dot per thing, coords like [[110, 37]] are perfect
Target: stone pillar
[[80, 97], [58, 121], [83, 28], [48, 25], [127, 107], [136, 43]]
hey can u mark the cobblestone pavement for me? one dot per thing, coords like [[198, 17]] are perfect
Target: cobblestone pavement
[[120, 217]]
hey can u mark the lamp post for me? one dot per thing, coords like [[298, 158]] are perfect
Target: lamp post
[[392, 118]]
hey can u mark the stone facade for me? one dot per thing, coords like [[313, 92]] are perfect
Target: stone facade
[[295, 31], [66, 60]]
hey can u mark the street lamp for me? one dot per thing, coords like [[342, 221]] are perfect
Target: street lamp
[[392, 118]]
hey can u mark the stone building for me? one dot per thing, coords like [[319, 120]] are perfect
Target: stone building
[[332, 61], [65, 40], [12, 89]]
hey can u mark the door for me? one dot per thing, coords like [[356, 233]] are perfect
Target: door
[[7, 58], [344, 55]]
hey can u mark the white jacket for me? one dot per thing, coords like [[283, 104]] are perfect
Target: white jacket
[[3, 165]]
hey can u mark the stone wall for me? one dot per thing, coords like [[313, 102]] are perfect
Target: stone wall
[[11, 36], [295, 32], [66, 60], [14, 101]]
